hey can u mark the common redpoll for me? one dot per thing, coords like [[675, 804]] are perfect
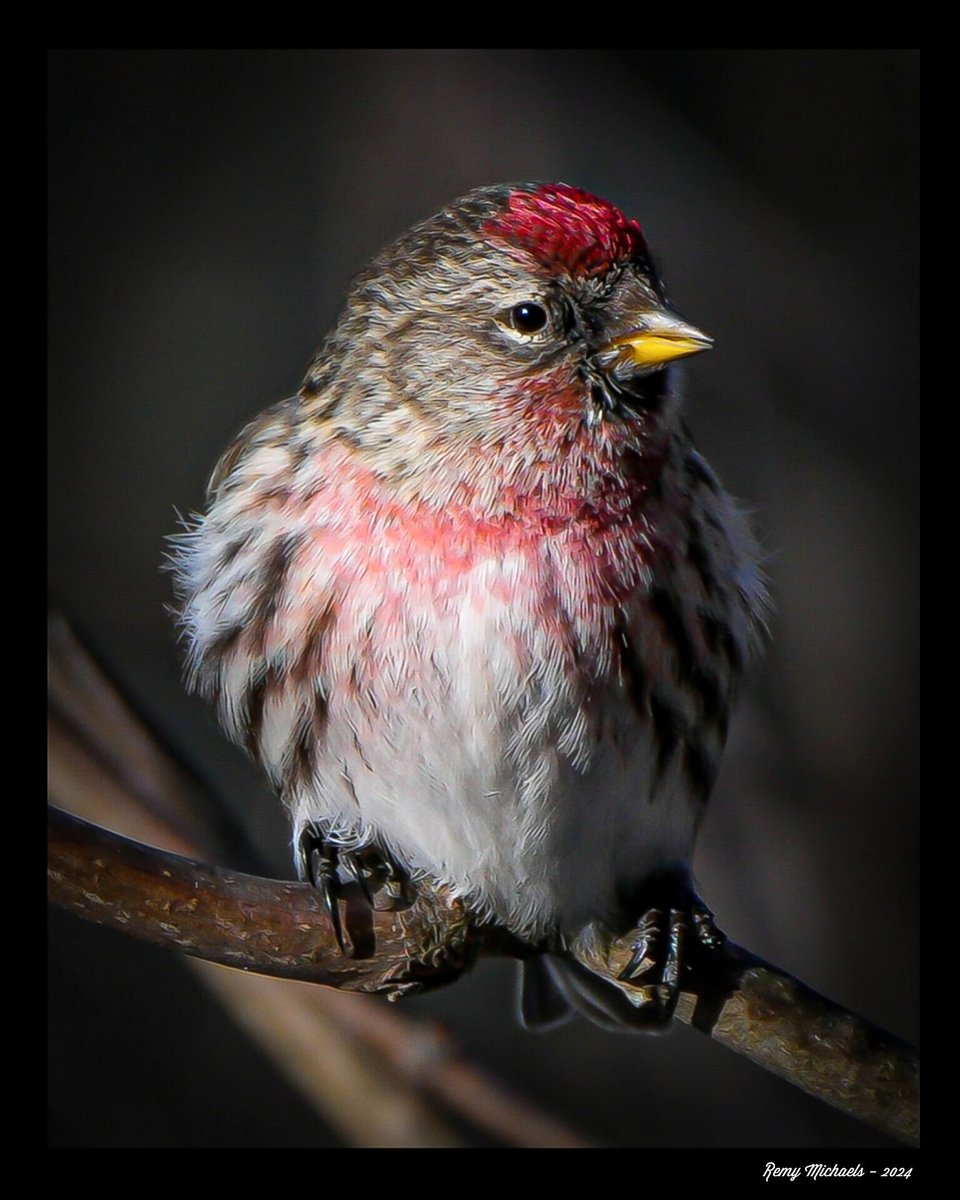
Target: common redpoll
[[477, 605]]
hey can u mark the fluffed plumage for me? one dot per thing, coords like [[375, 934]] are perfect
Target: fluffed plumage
[[472, 597]]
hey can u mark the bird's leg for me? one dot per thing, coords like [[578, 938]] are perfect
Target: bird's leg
[[653, 971], [383, 884], [366, 875], [651, 962], [319, 861], [675, 926]]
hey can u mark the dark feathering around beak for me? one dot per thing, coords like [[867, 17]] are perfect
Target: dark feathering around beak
[[658, 338]]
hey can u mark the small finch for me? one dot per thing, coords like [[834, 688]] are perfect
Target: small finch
[[476, 604]]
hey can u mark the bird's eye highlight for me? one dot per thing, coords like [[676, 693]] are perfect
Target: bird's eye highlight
[[528, 317]]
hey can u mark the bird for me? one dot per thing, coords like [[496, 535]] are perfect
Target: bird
[[477, 605]]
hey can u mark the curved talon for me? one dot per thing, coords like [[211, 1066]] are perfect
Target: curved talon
[[322, 865], [323, 873], [665, 946], [705, 928], [319, 863], [658, 951], [644, 952], [330, 867], [670, 976], [350, 861]]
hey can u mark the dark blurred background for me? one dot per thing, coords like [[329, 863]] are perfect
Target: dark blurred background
[[207, 210]]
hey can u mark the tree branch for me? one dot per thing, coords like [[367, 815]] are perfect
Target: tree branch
[[279, 928], [272, 927], [764, 1013]]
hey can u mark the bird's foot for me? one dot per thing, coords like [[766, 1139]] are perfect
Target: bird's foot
[[650, 963], [365, 879]]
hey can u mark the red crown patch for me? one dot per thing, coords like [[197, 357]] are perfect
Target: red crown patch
[[568, 228]]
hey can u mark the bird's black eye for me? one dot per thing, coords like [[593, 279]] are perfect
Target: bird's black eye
[[528, 317]]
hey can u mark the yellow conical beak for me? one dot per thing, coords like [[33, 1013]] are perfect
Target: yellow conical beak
[[658, 339]]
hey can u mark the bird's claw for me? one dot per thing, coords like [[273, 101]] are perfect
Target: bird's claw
[[644, 946], [350, 861], [363, 875], [708, 935], [321, 860], [652, 962], [653, 970]]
